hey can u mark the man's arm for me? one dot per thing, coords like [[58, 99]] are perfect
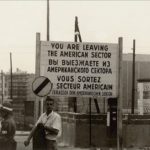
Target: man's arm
[[27, 141], [51, 130]]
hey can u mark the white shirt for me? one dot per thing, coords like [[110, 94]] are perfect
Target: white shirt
[[52, 120]]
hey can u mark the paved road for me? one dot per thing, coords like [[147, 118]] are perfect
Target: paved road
[[21, 137], [20, 144]]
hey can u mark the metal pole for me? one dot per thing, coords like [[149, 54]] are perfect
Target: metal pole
[[119, 108], [37, 73], [97, 106], [90, 127], [76, 31], [133, 78], [11, 83], [47, 20], [74, 100]]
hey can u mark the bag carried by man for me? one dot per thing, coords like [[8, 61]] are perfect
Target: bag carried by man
[[39, 141]]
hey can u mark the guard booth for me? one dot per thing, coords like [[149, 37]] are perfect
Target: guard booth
[[112, 107], [112, 122]]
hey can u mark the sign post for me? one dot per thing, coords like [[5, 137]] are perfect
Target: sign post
[[37, 74], [119, 108]]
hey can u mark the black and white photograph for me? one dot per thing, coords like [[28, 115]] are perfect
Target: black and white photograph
[[74, 75]]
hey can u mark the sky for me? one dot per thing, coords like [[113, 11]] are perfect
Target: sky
[[99, 21]]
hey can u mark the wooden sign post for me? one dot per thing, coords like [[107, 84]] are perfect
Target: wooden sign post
[[119, 108]]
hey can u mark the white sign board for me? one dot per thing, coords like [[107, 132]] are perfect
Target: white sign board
[[143, 97], [80, 69]]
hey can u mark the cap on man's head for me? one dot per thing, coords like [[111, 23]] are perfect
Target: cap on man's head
[[7, 107]]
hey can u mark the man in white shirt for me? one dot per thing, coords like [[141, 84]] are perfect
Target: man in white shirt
[[51, 121]]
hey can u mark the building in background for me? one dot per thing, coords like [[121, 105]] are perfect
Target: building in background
[[29, 103], [142, 71], [22, 97]]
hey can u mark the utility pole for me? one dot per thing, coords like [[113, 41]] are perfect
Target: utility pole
[[133, 78], [47, 20], [11, 96]]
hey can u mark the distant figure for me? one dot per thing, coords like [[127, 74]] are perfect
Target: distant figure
[[48, 127], [8, 128]]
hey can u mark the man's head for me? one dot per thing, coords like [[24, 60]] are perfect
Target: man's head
[[6, 109], [49, 104]]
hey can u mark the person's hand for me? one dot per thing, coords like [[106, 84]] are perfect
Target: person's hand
[[45, 127], [26, 143]]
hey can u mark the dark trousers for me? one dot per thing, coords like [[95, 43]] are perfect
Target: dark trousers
[[51, 145], [8, 144]]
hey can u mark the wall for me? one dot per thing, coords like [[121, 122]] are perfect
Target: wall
[[76, 130], [136, 130]]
